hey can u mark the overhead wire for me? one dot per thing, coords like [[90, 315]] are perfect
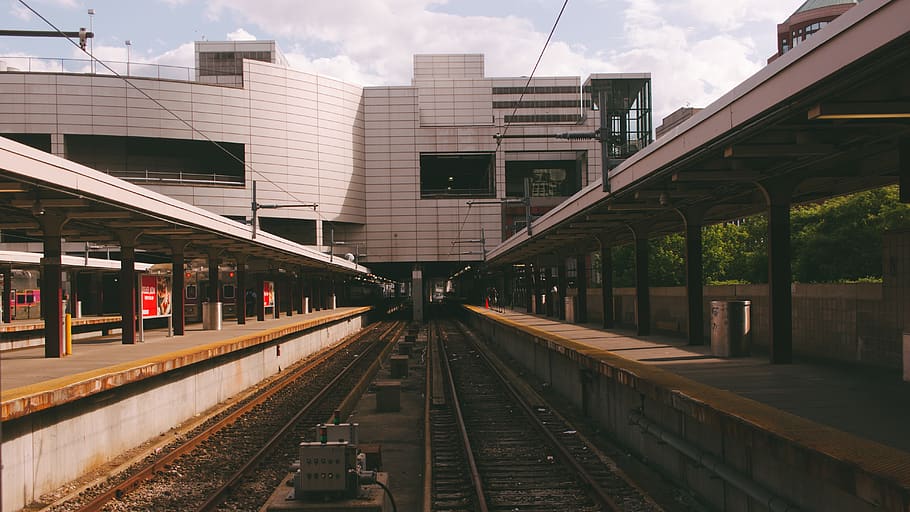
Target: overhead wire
[[520, 97], [245, 164], [531, 76]]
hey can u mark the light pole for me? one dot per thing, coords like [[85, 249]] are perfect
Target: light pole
[[128, 43], [91, 28]]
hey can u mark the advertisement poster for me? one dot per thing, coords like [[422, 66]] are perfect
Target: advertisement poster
[[156, 296], [268, 294]]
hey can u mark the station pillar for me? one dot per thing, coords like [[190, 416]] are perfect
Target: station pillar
[[694, 219], [581, 285], [779, 272], [52, 285], [260, 299], [642, 283], [606, 281], [128, 289], [240, 294], [562, 283], [417, 292], [178, 285]]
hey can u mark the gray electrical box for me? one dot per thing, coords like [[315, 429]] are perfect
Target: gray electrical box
[[327, 468]]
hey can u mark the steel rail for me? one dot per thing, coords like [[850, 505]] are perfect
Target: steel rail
[[218, 496], [154, 467], [479, 496], [427, 430], [593, 486]]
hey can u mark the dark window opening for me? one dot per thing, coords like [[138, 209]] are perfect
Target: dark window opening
[[552, 89], [549, 178], [542, 118], [457, 175], [301, 231], [147, 159], [228, 63], [40, 141]]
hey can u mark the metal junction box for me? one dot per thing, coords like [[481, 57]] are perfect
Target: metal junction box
[[326, 468]]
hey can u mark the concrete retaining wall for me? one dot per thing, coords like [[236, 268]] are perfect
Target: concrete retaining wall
[[47, 449], [855, 323], [811, 466]]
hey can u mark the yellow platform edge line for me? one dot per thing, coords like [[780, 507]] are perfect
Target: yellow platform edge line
[[188, 355]]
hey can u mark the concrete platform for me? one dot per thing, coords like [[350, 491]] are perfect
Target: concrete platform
[[30, 382], [839, 432], [62, 417]]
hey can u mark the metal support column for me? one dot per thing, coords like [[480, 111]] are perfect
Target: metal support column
[[52, 284], [178, 285], [779, 272], [606, 273], [561, 284], [581, 284], [642, 284], [694, 219], [240, 292], [530, 288], [128, 289], [214, 292], [260, 298]]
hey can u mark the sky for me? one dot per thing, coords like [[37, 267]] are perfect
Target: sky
[[695, 50]]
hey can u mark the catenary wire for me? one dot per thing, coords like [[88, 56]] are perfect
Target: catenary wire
[[531, 76]]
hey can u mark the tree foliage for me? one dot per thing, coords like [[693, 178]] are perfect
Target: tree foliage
[[833, 241]]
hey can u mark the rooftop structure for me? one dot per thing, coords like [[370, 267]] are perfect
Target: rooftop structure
[[808, 19]]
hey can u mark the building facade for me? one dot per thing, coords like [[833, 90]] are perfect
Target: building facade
[[401, 175], [808, 19]]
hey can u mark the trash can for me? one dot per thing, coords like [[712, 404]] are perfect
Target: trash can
[[731, 332], [570, 309], [211, 316]]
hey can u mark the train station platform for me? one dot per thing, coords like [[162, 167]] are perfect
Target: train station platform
[[107, 397], [845, 425], [31, 382]]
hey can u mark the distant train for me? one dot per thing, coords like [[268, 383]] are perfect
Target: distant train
[[196, 291], [25, 296]]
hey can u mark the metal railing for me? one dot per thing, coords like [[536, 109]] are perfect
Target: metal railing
[[147, 176], [126, 69], [463, 192]]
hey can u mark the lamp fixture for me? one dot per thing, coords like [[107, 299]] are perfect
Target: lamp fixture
[[861, 110]]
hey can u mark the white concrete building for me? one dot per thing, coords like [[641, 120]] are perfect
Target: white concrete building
[[392, 168]]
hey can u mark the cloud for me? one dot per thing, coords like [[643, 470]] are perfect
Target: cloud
[[18, 11], [695, 49], [240, 35]]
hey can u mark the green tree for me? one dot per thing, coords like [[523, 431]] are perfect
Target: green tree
[[841, 238]]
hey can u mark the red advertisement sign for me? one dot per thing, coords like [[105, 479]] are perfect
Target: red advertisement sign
[[268, 294], [156, 296]]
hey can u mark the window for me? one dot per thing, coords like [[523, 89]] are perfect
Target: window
[[457, 175], [549, 178], [191, 292], [227, 291], [228, 63]]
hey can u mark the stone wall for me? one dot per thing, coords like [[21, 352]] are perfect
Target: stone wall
[[856, 323]]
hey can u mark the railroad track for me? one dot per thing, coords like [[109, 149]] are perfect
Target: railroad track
[[494, 447], [236, 459]]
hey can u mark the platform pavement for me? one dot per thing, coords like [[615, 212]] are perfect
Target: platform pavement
[[867, 403], [28, 366]]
